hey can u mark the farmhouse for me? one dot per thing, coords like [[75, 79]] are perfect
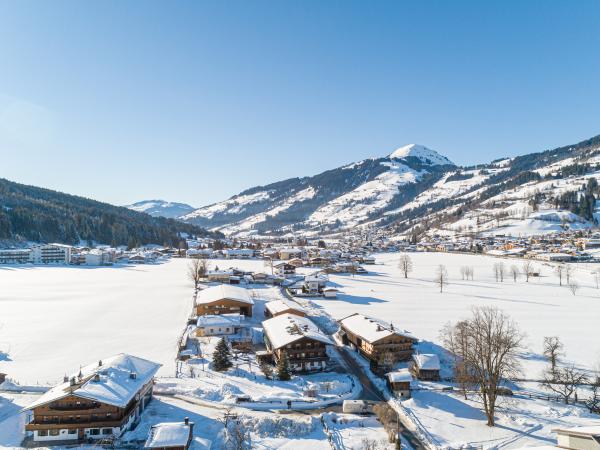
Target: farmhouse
[[284, 269], [426, 367], [300, 339], [102, 401], [400, 382], [381, 343], [218, 325], [224, 299], [170, 436], [279, 307], [579, 438]]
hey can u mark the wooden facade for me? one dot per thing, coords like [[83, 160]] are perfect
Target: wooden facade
[[224, 306], [304, 354]]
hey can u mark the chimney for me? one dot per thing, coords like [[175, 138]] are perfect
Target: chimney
[[73, 381], [65, 379], [100, 363], [133, 375], [186, 420], [97, 377]]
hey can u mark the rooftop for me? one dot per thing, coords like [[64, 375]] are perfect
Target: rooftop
[[168, 434], [288, 328], [371, 329], [223, 291]]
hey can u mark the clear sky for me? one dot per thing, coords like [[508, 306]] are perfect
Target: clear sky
[[194, 101]]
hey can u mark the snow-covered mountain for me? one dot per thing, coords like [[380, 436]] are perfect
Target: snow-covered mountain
[[162, 208], [351, 195]]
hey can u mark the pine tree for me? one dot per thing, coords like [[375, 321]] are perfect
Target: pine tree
[[283, 368], [221, 356]]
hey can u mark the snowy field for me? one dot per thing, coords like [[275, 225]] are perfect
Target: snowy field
[[54, 319]]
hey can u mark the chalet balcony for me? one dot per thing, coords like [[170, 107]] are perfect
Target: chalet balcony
[[75, 407], [62, 421]]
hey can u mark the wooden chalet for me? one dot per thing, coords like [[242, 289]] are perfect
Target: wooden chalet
[[400, 382], [381, 343], [224, 299], [170, 436], [300, 339], [99, 403], [426, 367], [279, 307]]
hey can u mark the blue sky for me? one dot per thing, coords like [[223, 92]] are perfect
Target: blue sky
[[194, 101]]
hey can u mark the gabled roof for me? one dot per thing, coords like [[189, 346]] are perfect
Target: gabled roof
[[223, 291], [370, 329], [168, 434], [279, 306], [288, 328], [220, 320], [115, 386], [427, 361], [400, 376]]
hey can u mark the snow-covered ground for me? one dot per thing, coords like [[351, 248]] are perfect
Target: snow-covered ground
[[54, 319]]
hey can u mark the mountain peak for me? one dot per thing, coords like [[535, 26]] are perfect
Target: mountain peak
[[421, 152]]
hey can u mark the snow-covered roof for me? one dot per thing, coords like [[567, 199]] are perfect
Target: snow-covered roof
[[219, 320], [168, 434], [279, 306], [371, 329], [223, 291], [427, 361], [115, 385], [593, 430], [288, 328], [400, 376]]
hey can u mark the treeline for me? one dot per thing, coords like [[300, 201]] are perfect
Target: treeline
[[42, 215], [582, 203]]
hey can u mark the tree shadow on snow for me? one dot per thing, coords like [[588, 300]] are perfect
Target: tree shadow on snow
[[356, 300], [438, 401]]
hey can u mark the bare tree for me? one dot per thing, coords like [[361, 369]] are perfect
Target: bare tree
[[499, 271], [470, 272], [564, 382], [560, 271], [553, 350], [197, 270], [456, 339], [573, 287], [463, 272], [596, 275], [493, 340], [593, 401], [569, 273], [514, 270], [405, 265], [527, 269], [441, 277]]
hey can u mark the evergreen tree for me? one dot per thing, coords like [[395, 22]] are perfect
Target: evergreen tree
[[283, 368], [221, 356]]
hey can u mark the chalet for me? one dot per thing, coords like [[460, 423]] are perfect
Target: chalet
[[579, 438], [219, 276], [400, 382], [238, 253], [289, 253], [279, 307], [224, 299], [283, 269], [381, 343], [101, 402], [296, 262], [426, 367], [218, 325], [298, 338], [170, 436], [330, 292]]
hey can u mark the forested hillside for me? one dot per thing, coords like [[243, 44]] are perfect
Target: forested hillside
[[42, 215]]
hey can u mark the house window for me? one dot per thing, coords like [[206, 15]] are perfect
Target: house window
[[42, 432], [94, 431], [106, 430], [53, 432], [73, 431]]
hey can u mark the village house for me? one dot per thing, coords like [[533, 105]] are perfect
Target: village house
[[102, 401], [289, 253], [296, 262], [219, 276], [426, 367], [224, 299], [279, 307], [298, 338], [284, 269], [218, 325], [400, 382], [579, 438], [381, 343], [170, 435]]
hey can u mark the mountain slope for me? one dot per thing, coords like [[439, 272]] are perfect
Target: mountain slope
[[338, 198], [161, 208], [37, 214]]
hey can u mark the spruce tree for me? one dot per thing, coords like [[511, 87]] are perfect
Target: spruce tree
[[283, 368], [221, 355]]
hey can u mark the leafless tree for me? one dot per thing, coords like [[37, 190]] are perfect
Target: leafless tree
[[593, 401], [569, 273], [527, 269], [596, 275], [560, 271], [564, 381], [197, 270], [492, 343], [441, 277], [573, 287], [499, 271], [463, 272], [405, 265], [514, 270], [470, 272], [456, 339], [553, 350]]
